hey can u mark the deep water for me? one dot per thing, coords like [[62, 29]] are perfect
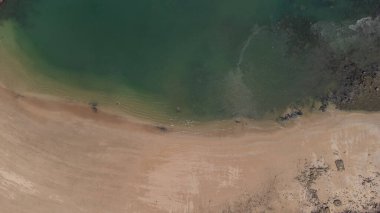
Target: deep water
[[211, 58]]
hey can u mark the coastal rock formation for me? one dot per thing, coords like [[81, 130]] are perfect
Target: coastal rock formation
[[359, 89], [352, 55], [291, 114]]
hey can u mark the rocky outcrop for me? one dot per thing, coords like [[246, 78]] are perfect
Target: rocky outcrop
[[354, 63], [291, 114], [357, 88]]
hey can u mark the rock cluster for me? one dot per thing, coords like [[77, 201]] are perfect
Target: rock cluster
[[294, 113]]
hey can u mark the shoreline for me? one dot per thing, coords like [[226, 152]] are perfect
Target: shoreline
[[225, 127], [107, 115]]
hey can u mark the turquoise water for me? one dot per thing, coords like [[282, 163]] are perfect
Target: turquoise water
[[212, 58]]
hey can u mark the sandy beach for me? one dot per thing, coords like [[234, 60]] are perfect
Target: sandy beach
[[62, 157]]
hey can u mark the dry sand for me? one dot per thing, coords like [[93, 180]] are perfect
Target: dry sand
[[62, 157]]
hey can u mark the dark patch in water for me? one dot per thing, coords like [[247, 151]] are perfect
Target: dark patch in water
[[300, 34], [17, 10]]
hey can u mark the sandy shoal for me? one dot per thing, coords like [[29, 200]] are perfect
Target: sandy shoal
[[62, 157]]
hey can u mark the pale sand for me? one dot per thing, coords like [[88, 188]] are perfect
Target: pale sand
[[62, 157]]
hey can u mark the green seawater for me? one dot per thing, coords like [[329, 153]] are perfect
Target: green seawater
[[212, 58]]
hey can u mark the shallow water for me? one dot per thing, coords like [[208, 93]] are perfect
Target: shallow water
[[213, 59]]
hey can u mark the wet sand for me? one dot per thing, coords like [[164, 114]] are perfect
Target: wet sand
[[62, 157]]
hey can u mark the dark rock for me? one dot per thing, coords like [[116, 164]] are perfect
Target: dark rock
[[162, 128], [337, 202], [293, 114], [339, 165], [238, 120], [93, 106], [323, 107], [325, 209], [367, 181], [313, 196], [322, 209]]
